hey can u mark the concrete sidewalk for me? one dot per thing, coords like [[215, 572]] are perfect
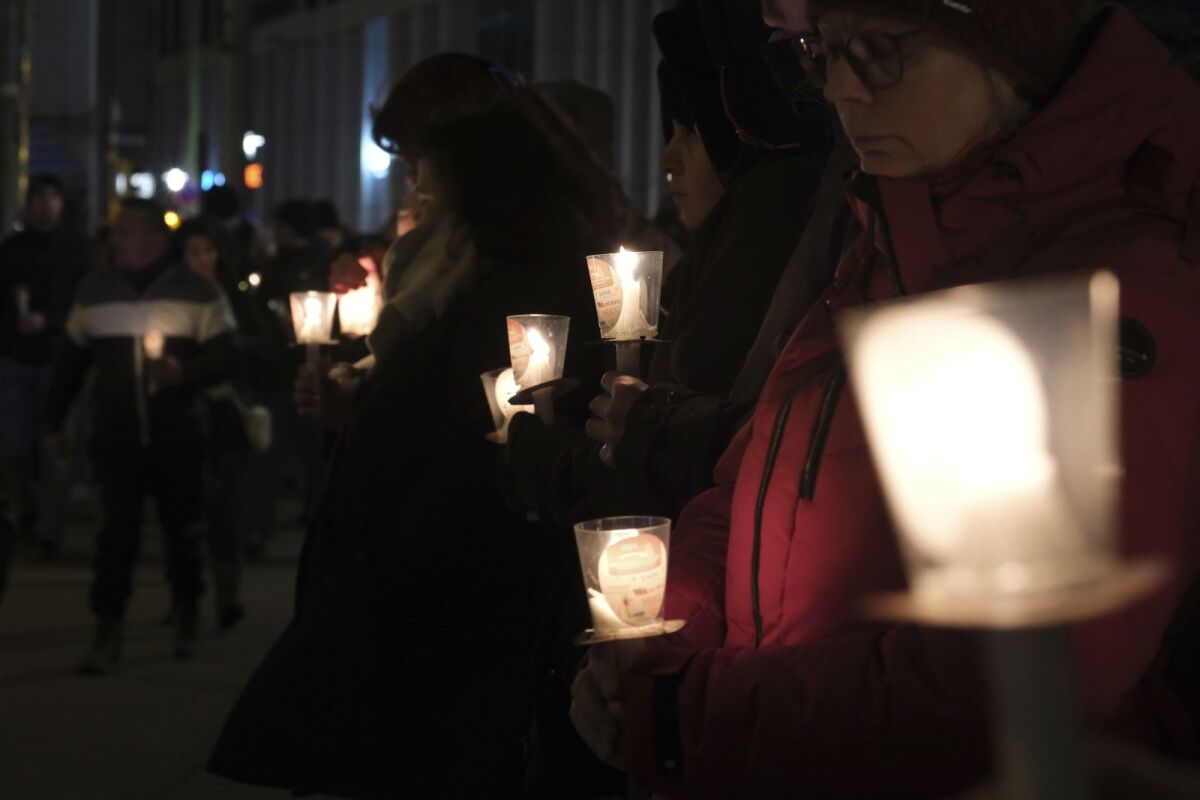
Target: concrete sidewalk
[[146, 731]]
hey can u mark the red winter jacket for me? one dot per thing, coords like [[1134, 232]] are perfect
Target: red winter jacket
[[777, 687]]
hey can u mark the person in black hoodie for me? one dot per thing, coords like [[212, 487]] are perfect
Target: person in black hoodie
[[39, 268], [404, 671], [155, 334]]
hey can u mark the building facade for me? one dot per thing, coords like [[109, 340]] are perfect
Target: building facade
[[304, 74]]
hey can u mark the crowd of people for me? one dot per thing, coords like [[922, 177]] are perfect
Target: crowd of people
[[821, 155]]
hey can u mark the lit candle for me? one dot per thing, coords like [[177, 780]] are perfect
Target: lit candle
[[505, 388], [624, 565], [541, 360], [632, 322], [312, 327], [359, 308], [153, 342], [604, 619]]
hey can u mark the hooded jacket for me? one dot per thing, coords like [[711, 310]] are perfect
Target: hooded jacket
[[777, 686]]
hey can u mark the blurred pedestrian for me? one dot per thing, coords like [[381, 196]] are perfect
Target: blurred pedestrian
[[205, 252], [39, 268], [155, 334]]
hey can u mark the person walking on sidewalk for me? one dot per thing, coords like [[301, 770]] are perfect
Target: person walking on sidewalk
[[155, 333]]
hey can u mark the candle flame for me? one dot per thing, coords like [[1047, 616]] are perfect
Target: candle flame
[[152, 343], [626, 264], [538, 344], [313, 310]]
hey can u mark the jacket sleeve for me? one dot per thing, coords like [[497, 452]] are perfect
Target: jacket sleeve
[[882, 712], [672, 441]]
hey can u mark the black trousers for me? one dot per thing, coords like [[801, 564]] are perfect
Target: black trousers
[[173, 474]]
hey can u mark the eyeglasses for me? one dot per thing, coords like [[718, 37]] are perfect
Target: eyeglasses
[[877, 59]]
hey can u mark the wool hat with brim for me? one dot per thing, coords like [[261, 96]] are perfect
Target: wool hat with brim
[[1029, 41]]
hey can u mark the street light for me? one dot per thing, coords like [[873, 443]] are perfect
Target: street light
[[175, 179], [251, 143]]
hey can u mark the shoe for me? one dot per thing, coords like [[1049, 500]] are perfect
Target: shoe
[[187, 634], [105, 653]]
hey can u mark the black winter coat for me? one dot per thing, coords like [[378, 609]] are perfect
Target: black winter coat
[[48, 265], [404, 672]]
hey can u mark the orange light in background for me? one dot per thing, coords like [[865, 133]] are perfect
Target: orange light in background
[[252, 176], [172, 220]]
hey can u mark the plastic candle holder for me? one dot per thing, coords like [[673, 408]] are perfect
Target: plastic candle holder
[[498, 387], [312, 316], [991, 413], [626, 286], [537, 346], [624, 562], [359, 309]]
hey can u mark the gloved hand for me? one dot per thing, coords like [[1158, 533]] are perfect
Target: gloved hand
[[611, 409]]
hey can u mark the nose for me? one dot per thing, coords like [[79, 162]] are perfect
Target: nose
[[669, 158], [843, 86]]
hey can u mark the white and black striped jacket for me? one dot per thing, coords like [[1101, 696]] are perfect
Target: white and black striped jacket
[[106, 329]]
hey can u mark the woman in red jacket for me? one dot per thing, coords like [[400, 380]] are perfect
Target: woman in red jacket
[[996, 140]]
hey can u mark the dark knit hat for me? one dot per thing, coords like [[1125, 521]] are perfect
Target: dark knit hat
[[713, 76], [1030, 41]]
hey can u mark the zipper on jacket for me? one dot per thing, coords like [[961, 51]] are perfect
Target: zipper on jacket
[[808, 481], [756, 552], [139, 392], [816, 446]]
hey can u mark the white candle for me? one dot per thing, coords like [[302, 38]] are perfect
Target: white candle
[[604, 619], [632, 322], [153, 342], [312, 328], [505, 388], [541, 360]]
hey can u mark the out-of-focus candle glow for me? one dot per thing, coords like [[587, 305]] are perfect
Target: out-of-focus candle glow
[[990, 415], [152, 343]]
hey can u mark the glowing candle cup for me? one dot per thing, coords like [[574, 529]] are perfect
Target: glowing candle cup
[[626, 286], [152, 348], [312, 319], [358, 309], [992, 416], [537, 346], [624, 561], [153, 343], [499, 386]]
